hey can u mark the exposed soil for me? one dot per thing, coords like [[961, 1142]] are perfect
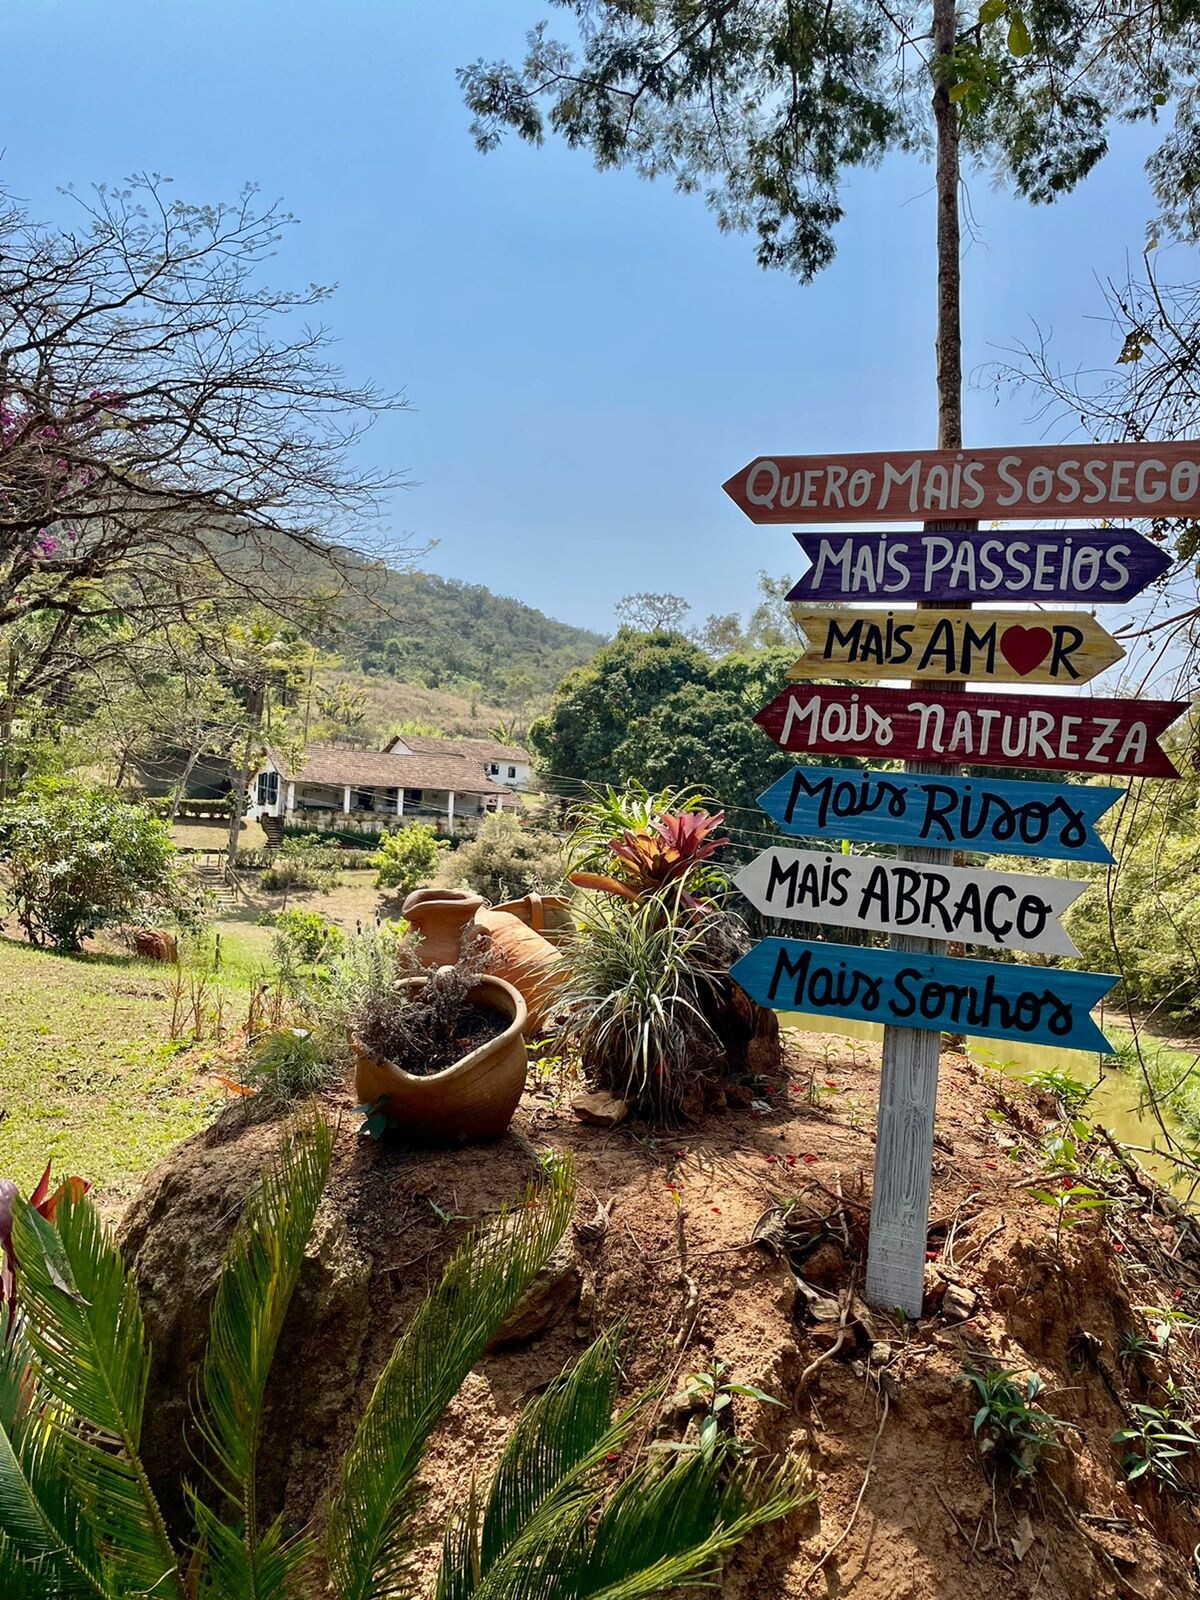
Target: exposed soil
[[696, 1238]]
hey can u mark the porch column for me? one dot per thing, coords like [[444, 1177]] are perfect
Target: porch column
[[450, 812], [289, 803], [400, 802], [346, 799]]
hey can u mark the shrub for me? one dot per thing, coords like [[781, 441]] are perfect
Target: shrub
[[306, 935], [302, 863], [290, 1064], [79, 860], [407, 857], [634, 998], [505, 861]]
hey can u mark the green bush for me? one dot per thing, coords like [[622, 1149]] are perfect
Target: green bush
[[505, 861], [307, 935], [407, 857], [303, 863], [290, 1064], [77, 860]]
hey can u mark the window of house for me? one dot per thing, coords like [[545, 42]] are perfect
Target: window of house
[[268, 788], [413, 797], [493, 768], [364, 799], [512, 772]]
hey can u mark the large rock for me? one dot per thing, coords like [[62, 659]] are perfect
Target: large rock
[[174, 1237]]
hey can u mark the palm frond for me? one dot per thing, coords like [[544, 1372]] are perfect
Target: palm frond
[[666, 1527], [663, 1527], [258, 1279], [88, 1354], [42, 1522], [367, 1546], [26, 1580], [234, 1571], [561, 1438]]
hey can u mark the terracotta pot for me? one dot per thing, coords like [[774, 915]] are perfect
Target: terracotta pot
[[525, 959], [439, 916], [473, 1099], [547, 914]]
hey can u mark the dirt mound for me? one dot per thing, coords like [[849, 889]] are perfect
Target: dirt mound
[[741, 1239]]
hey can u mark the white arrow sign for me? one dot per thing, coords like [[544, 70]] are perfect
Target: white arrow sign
[[1010, 911]]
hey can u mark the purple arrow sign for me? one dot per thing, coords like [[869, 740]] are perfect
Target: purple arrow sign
[[1087, 564]]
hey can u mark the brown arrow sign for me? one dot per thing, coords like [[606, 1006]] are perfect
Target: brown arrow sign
[[1044, 481], [980, 646]]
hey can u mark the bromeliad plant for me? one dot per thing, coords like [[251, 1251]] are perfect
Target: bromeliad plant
[[78, 1518], [45, 1202], [635, 844]]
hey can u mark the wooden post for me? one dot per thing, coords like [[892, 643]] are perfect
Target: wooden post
[[909, 1079]]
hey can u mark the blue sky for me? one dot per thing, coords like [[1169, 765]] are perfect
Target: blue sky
[[586, 357]]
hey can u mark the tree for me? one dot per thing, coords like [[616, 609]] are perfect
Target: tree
[[78, 860], [595, 705], [78, 1517], [172, 430], [408, 856], [705, 737], [652, 613], [763, 107]]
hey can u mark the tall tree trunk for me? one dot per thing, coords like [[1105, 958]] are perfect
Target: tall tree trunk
[[7, 714], [237, 798], [181, 786], [908, 1081]]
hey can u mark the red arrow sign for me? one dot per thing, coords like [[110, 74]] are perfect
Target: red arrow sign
[[1048, 732], [1041, 481]]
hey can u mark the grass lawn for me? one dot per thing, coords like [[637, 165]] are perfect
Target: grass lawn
[[87, 1074]]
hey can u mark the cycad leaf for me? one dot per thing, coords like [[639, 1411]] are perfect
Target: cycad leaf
[[25, 1580], [561, 1438], [258, 1279], [232, 1571], [367, 1544], [558, 1432], [41, 1519], [88, 1354], [667, 1527]]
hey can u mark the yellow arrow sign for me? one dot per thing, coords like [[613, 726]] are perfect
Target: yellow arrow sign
[[979, 646]]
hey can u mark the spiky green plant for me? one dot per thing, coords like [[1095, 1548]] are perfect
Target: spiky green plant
[[78, 1517]]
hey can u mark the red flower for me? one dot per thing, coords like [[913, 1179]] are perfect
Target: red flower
[[771, 1159]]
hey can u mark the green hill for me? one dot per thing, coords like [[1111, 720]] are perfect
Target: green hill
[[444, 634]]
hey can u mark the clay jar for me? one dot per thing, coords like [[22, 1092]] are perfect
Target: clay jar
[[547, 914], [473, 1099], [520, 955], [440, 916]]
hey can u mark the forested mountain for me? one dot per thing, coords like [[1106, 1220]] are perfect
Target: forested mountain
[[445, 634]]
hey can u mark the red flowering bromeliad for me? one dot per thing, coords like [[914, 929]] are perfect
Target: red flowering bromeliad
[[658, 855], [46, 1204]]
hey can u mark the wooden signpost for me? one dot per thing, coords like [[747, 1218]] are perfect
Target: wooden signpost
[[982, 646], [1054, 821], [1050, 565], [914, 988], [1015, 911], [1095, 481], [998, 999], [1049, 732]]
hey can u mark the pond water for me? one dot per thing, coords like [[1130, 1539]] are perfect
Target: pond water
[[1114, 1102]]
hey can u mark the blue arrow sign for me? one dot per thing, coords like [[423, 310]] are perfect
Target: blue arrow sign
[[1051, 820], [993, 998]]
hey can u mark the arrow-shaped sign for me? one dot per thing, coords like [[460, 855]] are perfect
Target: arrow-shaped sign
[[1048, 732], [981, 646], [997, 816], [1088, 482], [1012, 911], [1044, 564], [999, 1000]]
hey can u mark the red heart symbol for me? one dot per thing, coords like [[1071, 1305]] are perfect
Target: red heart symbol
[[1025, 648]]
